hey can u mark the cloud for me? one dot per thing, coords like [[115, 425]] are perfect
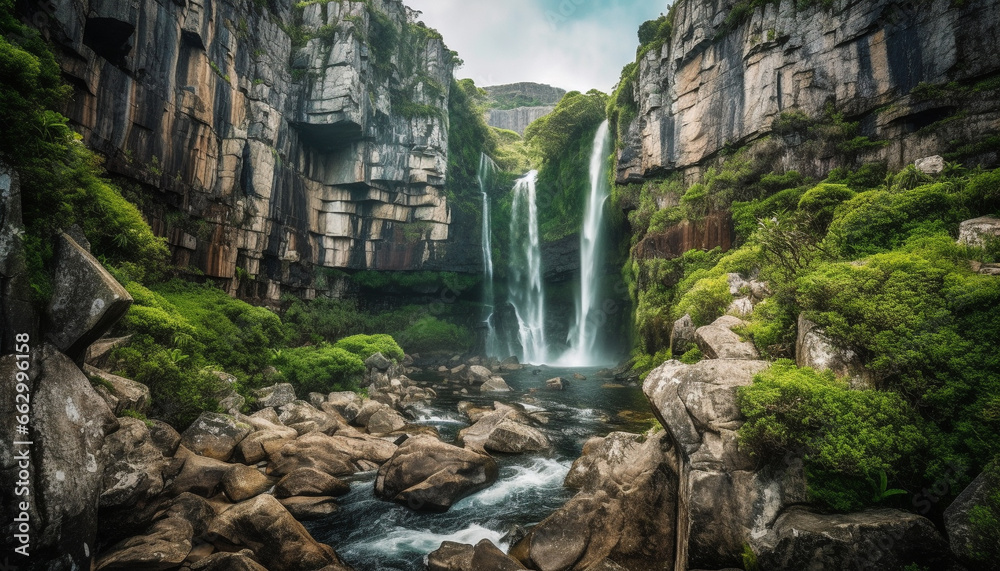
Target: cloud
[[573, 44]]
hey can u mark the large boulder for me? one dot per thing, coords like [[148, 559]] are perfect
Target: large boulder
[[874, 539], [86, 301], [333, 455], [451, 556], [682, 335], [305, 508], [274, 396], [215, 435], [240, 483], [277, 540], [479, 374], [977, 231], [506, 429], [980, 496], [223, 561], [813, 348], [199, 475], [697, 406], [135, 465], [166, 543], [127, 394], [426, 474], [719, 341], [310, 482], [68, 428], [625, 509], [379, 361], [259, 445], [495, 385], [385, 421], [305, 418], [345, 403], [17, 310]]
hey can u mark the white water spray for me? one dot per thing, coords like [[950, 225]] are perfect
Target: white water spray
[[525, 276], [486, 173], [583, 350]]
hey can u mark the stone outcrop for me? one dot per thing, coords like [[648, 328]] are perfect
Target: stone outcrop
[[719, 82], [517, 119], [215, 435], [426, 474], [625, 510], [975, 232], [279, 157], [813, 348], [696, 404], [120, 393], [958, 518], [874, 539], [505, 429], [719, 341]]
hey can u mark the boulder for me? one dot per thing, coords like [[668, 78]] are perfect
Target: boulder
[[232, 402], [134, 472], [385, 421], [451, 556], [813, 348], [255, 447], [86, 301], [128, 394], [697, 406], [975, 232], [310, 482], [556, 383], [334, 455], [274, 396], [873, 539], [379, 361], [487, 556], [166, 543], [426, 474], [495, 385], [345, 403], [305, 418], [368, 408], [505, 429], [682, 335], [740, 307], [306, 508], [215, 435], [456, 370], [223, 561], [625, 509], [317, 399], [164, 436], [933, 165], [719, 341], [277, 540], [100, 351], [979, 495], [479, 374], [240, 483], [579, 377], [198, 475]]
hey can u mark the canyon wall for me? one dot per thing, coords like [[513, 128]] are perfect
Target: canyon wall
[[265, 140], [728, 71], [517, 119]]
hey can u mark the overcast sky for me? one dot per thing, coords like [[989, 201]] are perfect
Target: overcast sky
[[572, 44]]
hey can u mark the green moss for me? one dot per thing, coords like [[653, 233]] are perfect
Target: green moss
[[320, 369], [365, 346]]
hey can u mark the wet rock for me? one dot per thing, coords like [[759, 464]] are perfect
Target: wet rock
[[457, 370], [697, 406], [310, 482], [479, 374], [719, 341], [86, 301], [579, 377], [495, 385], [385, 421], [215, 435], [975, 232], [965, 543], [556, 383], [240, 483], [625, 509], [682, 335], [506, 429], [451, 556], [274, 396], [306, 508], [813, 348], [488, 556], [166, 543], [277, 540], [428, 475], [874, 539]]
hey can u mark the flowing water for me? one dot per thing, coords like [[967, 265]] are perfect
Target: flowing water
[[486, 173], [525, 275], [375, 535], [583, 334]]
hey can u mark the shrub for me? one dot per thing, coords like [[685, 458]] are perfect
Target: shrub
[[365, 346], [982, 193], [747, 215], [865, 177], [706, 301], [431, 334], [846, 437], [820, 202], [320, 369], [984, 519]]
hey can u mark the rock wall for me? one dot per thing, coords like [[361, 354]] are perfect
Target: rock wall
[[716, 84], [518, 119], [269, 140]]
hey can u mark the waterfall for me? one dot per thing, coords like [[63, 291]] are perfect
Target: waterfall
[[582, 339], [525, 276], [487, 170]]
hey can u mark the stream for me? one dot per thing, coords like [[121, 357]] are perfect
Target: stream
[[375, 535]]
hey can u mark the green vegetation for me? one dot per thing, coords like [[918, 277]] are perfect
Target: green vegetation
[[320, 369], [432, 334], [563, 141], [984, 519], [365, 346]]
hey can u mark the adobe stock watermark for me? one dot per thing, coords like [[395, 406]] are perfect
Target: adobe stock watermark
[[563, 12]]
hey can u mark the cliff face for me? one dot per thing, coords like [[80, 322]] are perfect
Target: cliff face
[[517, 119], [517, 105], [722, 80], [269, 140]]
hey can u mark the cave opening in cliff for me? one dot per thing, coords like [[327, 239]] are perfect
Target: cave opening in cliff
[[109, 38]]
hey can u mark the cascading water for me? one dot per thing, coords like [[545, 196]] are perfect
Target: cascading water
[[582, 339], [487, 171], [525, 276]]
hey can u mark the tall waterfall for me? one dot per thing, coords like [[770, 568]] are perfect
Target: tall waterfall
[[582, 339], [525, 276], [486, 174]]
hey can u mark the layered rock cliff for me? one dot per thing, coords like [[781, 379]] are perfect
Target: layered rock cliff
[[265, 140], [728, 71], [517, 105]]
